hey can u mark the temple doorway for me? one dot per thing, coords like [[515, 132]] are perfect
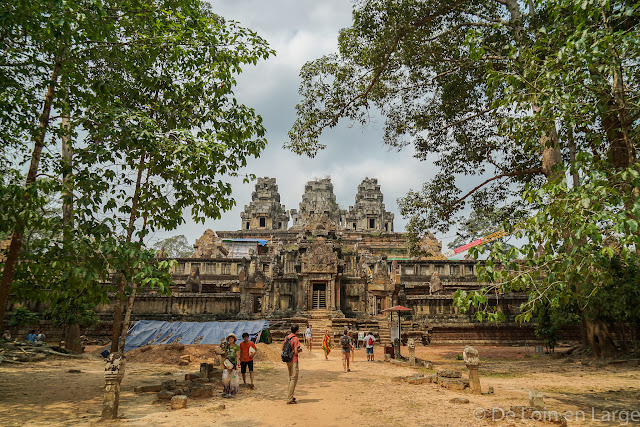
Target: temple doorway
[[319, 300]]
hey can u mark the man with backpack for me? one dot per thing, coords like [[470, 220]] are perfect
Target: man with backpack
[[290, 350], [346, 342], [369, 340]]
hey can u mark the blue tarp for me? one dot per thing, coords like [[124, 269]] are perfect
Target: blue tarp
[[155, 332], [262, 242]]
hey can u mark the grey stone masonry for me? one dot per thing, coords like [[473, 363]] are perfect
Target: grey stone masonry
[[265, 211], [368, 213], [318, 202]]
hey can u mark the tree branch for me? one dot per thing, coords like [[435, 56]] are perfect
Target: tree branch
[[532, 171], [383, 67]]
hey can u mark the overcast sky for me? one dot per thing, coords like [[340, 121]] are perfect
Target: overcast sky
[[300, 31]]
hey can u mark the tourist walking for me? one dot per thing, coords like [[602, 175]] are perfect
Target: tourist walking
[[308, 333], [346, 343], [290, 350], [326, 344], [230, 379], [369, 341], [247, 351], [353, 346]]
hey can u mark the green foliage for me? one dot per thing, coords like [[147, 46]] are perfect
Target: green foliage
[[148, 89], [83, 315], [410, 60], [482, 223], [23, 317], [459, 357], [550, 321], [175, 246]]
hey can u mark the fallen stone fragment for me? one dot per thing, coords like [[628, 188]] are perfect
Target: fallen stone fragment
[[453, 383], [74, 371], [428, 365], [179, 402], [169, 385], [448, 373], [165, 395], [459, 400], [148, 388], [202, 391], [418, 380]]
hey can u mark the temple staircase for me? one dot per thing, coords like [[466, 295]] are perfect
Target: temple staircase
[[384, 329], [320, 321]]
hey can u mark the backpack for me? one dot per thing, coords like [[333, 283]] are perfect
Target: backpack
[[287, 351], [370, 342], [344, 341]]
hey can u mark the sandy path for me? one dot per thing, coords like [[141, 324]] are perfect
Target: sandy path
[[47, 394]]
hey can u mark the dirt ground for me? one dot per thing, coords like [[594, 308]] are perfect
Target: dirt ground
[[46, 393]]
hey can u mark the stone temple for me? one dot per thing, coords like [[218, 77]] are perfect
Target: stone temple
[[326, 266]]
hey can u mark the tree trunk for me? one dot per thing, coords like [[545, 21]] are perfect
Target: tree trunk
[[72, 339], [18, 232], [599, 339], [117, 310]]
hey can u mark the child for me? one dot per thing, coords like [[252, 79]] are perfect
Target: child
[[247, 350], [230, 373]]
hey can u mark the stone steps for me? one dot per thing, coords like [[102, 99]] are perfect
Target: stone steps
[[320, 321]]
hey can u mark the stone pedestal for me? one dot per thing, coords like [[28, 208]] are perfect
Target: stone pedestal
[[472, 360], [396, 349], [113, 374], [412, 352]]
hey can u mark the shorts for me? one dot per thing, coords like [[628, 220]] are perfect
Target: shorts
[[369, 350], [243, 366]]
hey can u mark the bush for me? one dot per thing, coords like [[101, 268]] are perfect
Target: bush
[[23, 317]]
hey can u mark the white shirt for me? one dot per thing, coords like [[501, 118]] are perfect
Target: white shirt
[[366, 340], [307, 333]]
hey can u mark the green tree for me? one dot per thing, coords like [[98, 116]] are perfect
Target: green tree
[[504, 88], [175, 247], [146, 90]]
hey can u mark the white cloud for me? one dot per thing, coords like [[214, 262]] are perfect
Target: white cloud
[[301, 31]]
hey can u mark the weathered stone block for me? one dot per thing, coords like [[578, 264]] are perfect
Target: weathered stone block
[[459, 400], [428, 364], [148, 388], [169, 385], [418, 380], [165, 394], [453, 383], [179, 402], [191, 377], [448, 373], [202, 391]]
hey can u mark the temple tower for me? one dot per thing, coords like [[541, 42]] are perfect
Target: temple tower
[[318, 203], [265, 211], [368, 213]]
